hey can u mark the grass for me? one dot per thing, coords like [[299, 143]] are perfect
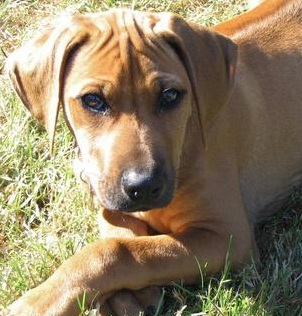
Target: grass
[[42, 206]]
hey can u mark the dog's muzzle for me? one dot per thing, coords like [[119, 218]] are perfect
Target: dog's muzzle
[[137, 189]]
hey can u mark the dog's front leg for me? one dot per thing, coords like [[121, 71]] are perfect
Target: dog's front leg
[[126, 302], [110, 265]]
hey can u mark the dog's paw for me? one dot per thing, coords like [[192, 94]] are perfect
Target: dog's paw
[[35, 302], [21, 308], [126, 302], [42, 300]]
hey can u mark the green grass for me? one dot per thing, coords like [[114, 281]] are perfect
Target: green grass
[[46, 215]]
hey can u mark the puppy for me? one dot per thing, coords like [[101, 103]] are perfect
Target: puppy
[[187, 137]]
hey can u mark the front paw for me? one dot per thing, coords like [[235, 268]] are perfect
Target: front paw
[[126, 302], [44, 300], [30, 304]]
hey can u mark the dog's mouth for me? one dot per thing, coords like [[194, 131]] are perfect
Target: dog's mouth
[[114, 205], [136, 190]]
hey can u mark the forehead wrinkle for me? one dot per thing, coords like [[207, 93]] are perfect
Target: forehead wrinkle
[[130, 65], [101, 38], [145, 39], [134, 41], [140, 28]]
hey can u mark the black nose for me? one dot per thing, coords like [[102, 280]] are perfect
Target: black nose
[[142, 187]]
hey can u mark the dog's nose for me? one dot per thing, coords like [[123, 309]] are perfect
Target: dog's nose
[[143, 187]]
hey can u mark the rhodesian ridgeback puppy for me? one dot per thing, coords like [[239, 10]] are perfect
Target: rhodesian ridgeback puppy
[[187, 138]]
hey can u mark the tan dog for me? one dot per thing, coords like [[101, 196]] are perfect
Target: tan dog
[[176, 147]]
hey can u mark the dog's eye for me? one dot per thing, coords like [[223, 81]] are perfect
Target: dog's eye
[[169, 99], [94, 103]]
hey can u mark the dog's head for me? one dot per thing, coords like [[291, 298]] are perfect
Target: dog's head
[[131, 85]]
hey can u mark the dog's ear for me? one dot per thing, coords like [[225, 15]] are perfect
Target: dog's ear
[[209, 59], [36, 70]]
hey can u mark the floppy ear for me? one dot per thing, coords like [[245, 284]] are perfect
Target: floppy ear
[[209, 59], [36, 70]]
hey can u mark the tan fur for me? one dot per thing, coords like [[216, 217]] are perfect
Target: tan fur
[[231, 150]]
